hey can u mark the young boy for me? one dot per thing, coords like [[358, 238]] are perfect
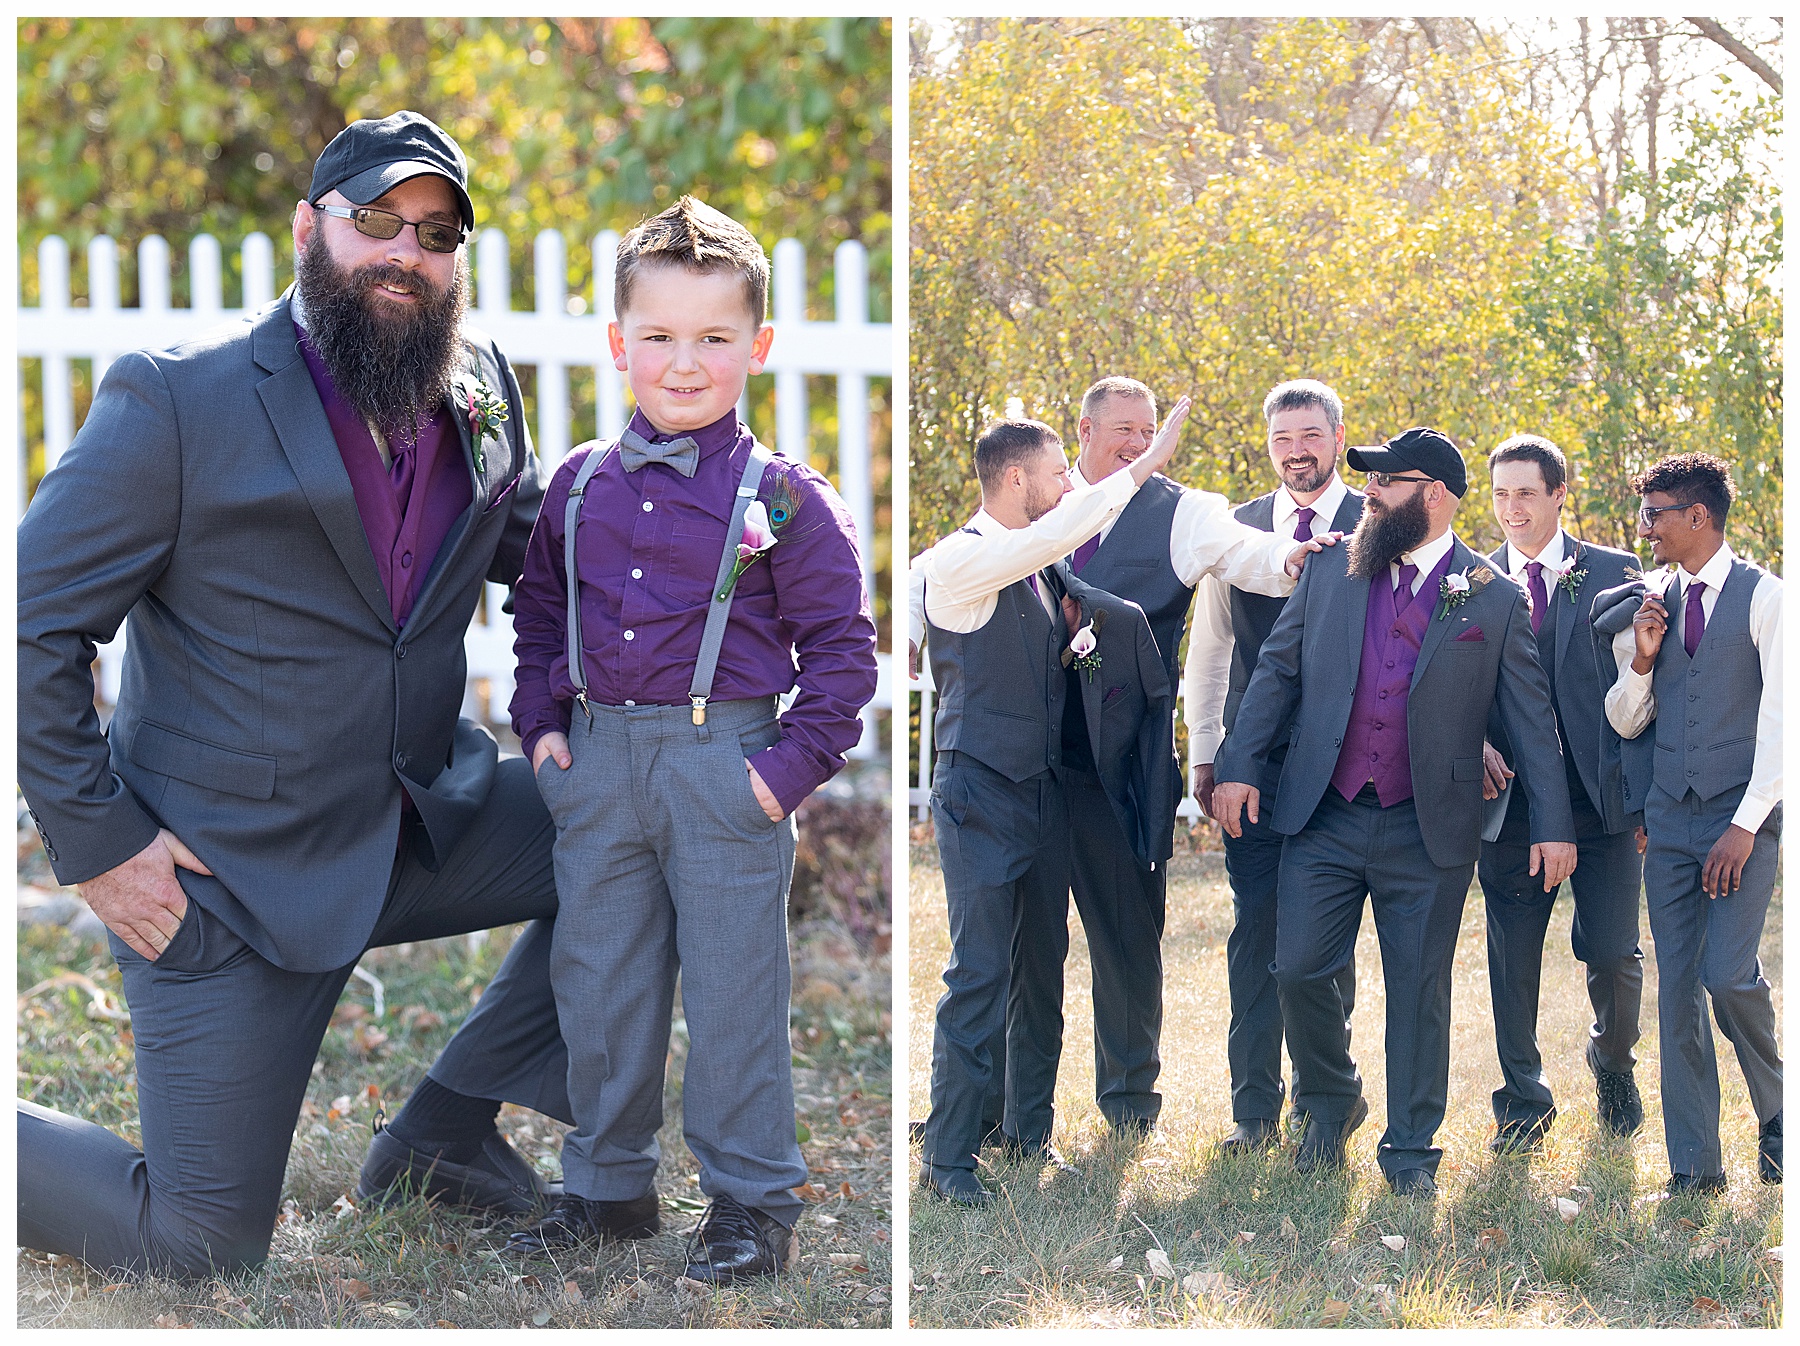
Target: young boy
[[673, 784]]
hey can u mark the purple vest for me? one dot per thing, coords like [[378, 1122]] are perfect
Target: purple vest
[[1375, 741]]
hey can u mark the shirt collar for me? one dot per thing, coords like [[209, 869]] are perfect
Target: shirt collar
[[1714, 573], [1551, 556], [1429, 554], [1324, 509], [721, 434], [987, 525]]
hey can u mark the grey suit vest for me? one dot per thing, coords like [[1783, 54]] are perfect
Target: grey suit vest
[[1706, 706], [1133, 562], [1000, 687]]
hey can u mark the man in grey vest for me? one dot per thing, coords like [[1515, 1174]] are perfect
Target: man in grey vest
[[995, 634], [1561, 576], [295, 515], [1305, 421], [1165, 542], [1387, 662], [1701, 662]]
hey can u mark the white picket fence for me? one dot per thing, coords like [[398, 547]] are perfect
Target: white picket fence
[[548, 338]]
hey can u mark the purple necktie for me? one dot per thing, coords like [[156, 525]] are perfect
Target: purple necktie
[[1403, 595], [1540, 597], [1303, 524], [1693, 621], [1085, 553], [1032, 581]]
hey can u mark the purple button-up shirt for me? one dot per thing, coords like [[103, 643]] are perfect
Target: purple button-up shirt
[[647, 553], [405, 514]]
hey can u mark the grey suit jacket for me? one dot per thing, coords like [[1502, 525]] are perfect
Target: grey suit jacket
[[1581, 686], [270, 709], [1307, 676], [1129, 705]]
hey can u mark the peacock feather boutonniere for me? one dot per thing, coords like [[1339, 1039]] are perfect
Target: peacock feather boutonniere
[[764, 523], [1455, 588]]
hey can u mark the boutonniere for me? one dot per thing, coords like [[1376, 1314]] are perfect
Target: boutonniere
[[1454, 589], [487, 413], [1082, 652], [758, 540], [1570, 577]]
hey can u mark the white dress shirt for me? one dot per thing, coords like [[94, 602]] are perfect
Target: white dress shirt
[[1206, 676], [1631, 701], [1204, 539]]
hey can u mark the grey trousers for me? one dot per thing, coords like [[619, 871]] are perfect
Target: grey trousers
[[1604, 936], [1253, 1039], [225, 1043], [666, 864], [1707, 946], [1349, 848], [1004, 846], [1122, 906]]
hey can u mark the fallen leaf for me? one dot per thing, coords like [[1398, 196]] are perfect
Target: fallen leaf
[[1336, 1310], [845, 1192], [1197, 1283], [1289, 1230], [1338, 1247], [1492, 1238], [1774, 1254], [1686, 1223], [351, 1288], [807, 1192], [572, 1292], [1706, 1305], [1246, 1237], [1158, 1261], [445, 1322], [343, 1207], [170, 1320], [1116, 1263], [1701, 1251], [541, 1317], [1567, 1209], [1393, 1242], [851, 1259]]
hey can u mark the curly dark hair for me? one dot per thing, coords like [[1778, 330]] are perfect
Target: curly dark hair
[[1693, 479]]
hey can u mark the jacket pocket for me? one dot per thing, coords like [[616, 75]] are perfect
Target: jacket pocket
[[170, 753], [1466, 768]]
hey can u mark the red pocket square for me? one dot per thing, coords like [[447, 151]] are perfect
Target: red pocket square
[[1473, 633]]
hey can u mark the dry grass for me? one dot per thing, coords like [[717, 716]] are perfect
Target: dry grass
[[416, 1266], [1250, 1242]]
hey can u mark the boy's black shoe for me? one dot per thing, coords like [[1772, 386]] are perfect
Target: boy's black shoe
[[733, 1242], [1323, 1144], [1696, 1184], [577, 1221], [957, 1185], [1415, 1183], [1621, 1107], [1522, 1135], [1251, 1135], [498, 1179], [1768, 1151]]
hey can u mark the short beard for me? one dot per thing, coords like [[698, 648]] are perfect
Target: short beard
[[394, 367], [1037, 506], [1381, 537], [1305, 482]]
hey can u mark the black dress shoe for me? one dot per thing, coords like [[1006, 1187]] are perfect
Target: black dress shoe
[[958, 1185], [498, 1179], [1768, 1151], [577, 1221], [1015, 1151], [1415, 1183], [1696, 1184], [1522, 1135], [1620, 1105], [1323, 1144], [1134, 1128], [1251, 1135], [734, 1242]]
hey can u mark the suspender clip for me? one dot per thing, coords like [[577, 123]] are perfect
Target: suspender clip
[[699, 703], [581, 696]]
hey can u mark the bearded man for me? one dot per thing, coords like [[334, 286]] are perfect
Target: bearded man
[[1386, 662], [295, 516]]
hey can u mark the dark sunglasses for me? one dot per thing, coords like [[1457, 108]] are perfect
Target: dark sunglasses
[[1392, 479], [434, 235], [1647, 513]]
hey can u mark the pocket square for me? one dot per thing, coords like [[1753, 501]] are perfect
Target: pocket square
[[1473, 633], [1111, 692]]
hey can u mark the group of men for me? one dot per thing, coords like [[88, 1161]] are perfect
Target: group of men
[[1564, 715]]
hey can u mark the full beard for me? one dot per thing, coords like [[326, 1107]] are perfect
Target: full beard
[[392, 363], [1307, 479], [1384, 534]]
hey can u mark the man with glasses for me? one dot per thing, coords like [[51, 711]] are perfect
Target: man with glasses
[[1386, 662], [1699, 659], [296, 515]]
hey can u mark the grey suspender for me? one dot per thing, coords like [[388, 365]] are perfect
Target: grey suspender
[[718, 610]]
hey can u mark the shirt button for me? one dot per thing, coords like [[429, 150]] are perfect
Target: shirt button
[[637, 574], [631, 635], [1390, 663], [1384, 696], [406, 560], [648, 507], [631, 703]]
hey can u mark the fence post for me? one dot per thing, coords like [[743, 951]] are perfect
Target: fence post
[[791, 423], [53, 299], [550, 282], [205, 279], [852, 284], [103, 295], [609, 384], [258, 255], [153, 274]]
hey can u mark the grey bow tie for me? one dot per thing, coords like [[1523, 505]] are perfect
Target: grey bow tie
[[681, 454]]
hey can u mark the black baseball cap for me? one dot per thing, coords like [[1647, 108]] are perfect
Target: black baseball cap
[[1420, 449], [369, 158]]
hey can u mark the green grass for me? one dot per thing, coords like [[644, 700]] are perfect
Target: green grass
[[332, 1265], [1253, 1243]]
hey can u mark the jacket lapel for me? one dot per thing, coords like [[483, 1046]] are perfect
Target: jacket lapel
[[456, 402], [298, 418], [1356, 616], [1461, 559], [1566, 619]]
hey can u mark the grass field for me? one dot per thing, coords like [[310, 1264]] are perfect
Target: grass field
[[1168, 1233], [333, 1265]]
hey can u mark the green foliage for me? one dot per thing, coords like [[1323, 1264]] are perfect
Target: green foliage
[[1218, 206]]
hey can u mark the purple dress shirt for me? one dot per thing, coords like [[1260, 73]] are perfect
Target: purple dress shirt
[[407, 511], [648, 551], [1376, 745]]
